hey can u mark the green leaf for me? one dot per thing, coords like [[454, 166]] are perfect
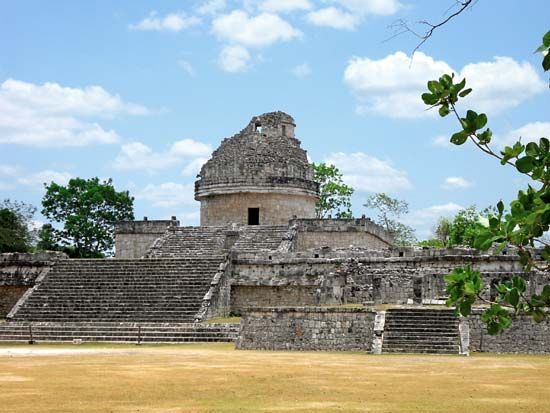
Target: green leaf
[[465, 308], [434, 86], [525, 164], [481, 120], [546, 62], [464, 93], [500, 207], [532, 149], [546, 39], [544, 145], [444, 110], [429, 99], [459, 138], [513, 297]]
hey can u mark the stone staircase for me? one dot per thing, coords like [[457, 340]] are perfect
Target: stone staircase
[[189, 242], [118, 332], [121, 290], [260, 237], [421, 331]]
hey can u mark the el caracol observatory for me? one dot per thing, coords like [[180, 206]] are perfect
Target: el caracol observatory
[[260, 176]]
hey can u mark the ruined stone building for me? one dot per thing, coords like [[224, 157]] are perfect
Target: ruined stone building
[[298, 282]]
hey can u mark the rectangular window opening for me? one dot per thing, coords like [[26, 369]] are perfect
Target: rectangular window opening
[[253, 216]]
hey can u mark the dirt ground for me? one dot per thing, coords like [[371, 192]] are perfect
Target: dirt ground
[[217, 378]]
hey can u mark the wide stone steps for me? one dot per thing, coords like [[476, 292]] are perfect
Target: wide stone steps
[[119, 332], [421, 331], [139, 290]]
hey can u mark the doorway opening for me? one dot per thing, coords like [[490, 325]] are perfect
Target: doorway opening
[[253, 216]]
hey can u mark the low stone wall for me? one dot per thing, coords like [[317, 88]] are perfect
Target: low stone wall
[[133, 238], [524, 336], [340, 233], [18, 273], [307, 328]]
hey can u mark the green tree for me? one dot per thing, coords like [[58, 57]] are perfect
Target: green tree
[[15, 226], [523, 226], [463, 227], [442, 230], [88, 210], [390, 210], [335, 195], [47, 239]]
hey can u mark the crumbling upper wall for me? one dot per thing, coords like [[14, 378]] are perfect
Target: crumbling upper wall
[[133, 238], [340, 233]]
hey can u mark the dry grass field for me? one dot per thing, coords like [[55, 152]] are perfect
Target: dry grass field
[[216, 378]]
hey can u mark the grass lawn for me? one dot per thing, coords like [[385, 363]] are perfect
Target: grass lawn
[[216, 378]]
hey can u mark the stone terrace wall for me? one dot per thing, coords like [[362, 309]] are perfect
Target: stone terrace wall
[[340, 233], [524, 336], [260, 280], [307, 328], [18, 273], [358, 276], [133, 238]]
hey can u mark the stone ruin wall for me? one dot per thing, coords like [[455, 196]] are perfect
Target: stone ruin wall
[[133, 238], [340, 233], [303, 328], [275, 208], [19, 272], [339, 277]]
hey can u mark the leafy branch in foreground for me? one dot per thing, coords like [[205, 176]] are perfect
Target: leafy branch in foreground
[[523, 226]]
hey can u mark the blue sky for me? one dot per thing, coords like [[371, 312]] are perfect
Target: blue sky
[[142, 92]]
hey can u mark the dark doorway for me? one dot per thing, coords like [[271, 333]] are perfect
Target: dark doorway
[[253, 216]]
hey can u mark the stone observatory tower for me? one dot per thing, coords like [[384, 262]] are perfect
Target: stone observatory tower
[[260, 176]]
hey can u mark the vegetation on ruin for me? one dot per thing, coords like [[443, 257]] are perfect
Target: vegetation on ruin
[[15, 226], [87, 211], [523, 226], [216, 378], [389, 211], [334, 194]]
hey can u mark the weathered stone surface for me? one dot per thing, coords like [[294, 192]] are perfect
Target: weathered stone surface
[[134, 238], [261, 167], [306, 328]]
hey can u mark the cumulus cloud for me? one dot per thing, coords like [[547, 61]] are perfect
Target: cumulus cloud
[[302, 70], [136, 156], [392, 86], [424, 219], [333, 17], [167, 195], [528, 133], [456, 182], [374, 7], [54, 115], [174, 22], [366, 173], [284, 6], [263, 30], [212, 7], [7, 173], [187, 67], [38, 179], [234, 59]]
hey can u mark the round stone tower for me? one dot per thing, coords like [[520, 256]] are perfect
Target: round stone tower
[[260, 176]]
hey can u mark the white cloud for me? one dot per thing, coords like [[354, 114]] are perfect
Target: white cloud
[[194, 167], [333, 17], [212, 7], [442, 141], [7, 173], [167, 195], [529, 132], [374, 7], [366, 173], [284, 6], [392, 86], [136, 156], [302, 70], [189, 218], [38, 179], [259, 31], [174, 22], [234, 59], [456, 182], [54, 115], [187, 67]]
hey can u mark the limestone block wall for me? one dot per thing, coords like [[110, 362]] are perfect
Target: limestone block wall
[[340, 233], [307, 328], [275, 208], [18, 273], [279, 280], [133, 238], [524, 336]]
